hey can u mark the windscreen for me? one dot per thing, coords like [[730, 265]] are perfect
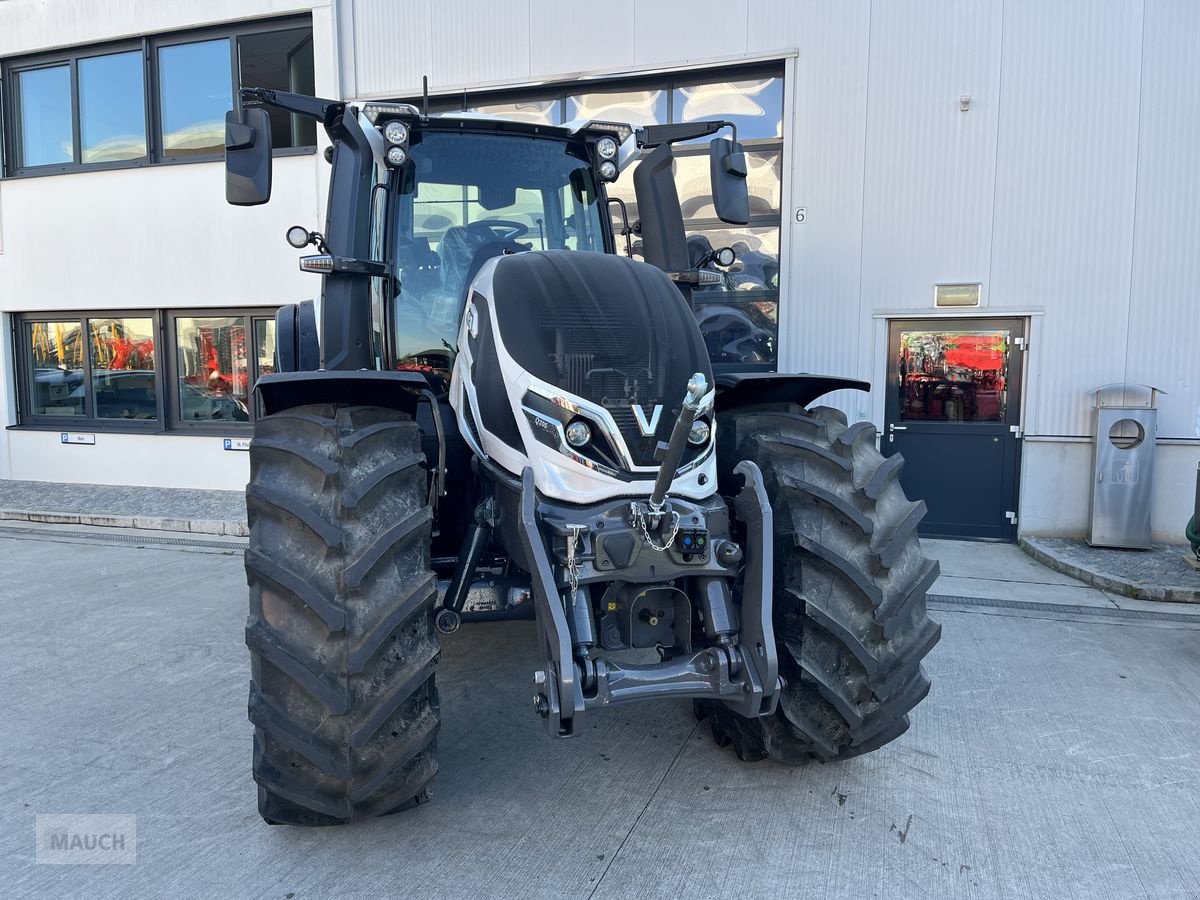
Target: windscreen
[[466, 198]]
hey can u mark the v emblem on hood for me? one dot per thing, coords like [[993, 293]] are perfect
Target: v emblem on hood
[[648, 428]]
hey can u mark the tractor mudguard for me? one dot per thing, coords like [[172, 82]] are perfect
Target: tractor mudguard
[[402, 391], [756, 388]]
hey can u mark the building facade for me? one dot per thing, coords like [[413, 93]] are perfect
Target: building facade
[[985, 210]]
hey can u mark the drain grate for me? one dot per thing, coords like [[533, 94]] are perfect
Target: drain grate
[[1097, 611], [140, 540]]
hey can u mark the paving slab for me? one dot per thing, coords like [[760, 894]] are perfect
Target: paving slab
[[1155, 574], [1053, 758], [991, 560], [123, 506]]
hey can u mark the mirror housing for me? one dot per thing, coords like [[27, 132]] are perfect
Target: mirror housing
[[730, 192], [247, 156]]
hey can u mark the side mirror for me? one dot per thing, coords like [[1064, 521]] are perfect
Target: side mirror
[[247, 157], [727, 168]]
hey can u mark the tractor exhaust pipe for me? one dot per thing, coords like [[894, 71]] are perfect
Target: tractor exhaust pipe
[[670, 454]]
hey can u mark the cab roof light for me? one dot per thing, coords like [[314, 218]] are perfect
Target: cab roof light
[[374, 110]]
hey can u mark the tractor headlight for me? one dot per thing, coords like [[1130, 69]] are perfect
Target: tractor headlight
[[606, 147], [578, 433], [395, 133], [608, 170], [396, 156], [699, 433]]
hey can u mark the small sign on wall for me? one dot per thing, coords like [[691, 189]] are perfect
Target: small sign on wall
[[237, 443], [956, 295], [74, 437]]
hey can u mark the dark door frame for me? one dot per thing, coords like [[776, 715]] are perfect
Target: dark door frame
[[1019, 327]]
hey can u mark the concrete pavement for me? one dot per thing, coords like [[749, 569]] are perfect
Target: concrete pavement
[[1057, 756]]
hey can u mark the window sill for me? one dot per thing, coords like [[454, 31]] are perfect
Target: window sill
[[80, 168], [198, 429]]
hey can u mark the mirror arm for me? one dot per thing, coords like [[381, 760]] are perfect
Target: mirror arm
[[324, 111], [652, 136]]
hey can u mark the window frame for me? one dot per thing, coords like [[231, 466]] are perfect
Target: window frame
[[170, 396], [23, 361], [165, 372], [10, 102]]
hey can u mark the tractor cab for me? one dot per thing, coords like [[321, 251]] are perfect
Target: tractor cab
[[418, 204]]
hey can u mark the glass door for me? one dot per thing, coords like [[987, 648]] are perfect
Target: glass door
[[953, 411]]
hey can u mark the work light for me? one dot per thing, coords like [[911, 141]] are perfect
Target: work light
[[395, 132]]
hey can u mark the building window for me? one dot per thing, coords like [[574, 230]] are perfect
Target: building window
[[104, 370], [112, 107], [55, 374], [212, 370], [124, 377], [44, 101], [739, 318], [86, 108], [282, 61], [194, 91]]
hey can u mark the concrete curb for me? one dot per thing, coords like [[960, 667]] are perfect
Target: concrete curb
[[1108, 581], [147, 523]]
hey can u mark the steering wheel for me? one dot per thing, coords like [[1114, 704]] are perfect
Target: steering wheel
[[513, 230]]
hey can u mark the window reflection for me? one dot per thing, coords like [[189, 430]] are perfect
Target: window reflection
[[536, 112], [754, 106], [194, 94], [112, 107], [763, 180], [47, 136], [264, 341], [737, 332], [211, 357], [635, 107], [123, 379], [55, 351], [953, 376]]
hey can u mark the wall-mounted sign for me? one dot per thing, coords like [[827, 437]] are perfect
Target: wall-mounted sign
[[801, 215], [237, 443], [956, 295], [74, 437]]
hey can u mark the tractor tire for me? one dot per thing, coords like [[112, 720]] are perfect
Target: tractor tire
[[341, 637], [849, 587]]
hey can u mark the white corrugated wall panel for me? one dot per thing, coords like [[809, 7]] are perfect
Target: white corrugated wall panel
[[700, 29], [476, 42], [820, 320], [1164, 319], [1066, 165], [456, 43], [386, 47], [930, 166], [563, 37]]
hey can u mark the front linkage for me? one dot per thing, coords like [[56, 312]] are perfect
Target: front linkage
[[640, 551]]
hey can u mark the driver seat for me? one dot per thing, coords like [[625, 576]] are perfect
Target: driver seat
[[464, 250]]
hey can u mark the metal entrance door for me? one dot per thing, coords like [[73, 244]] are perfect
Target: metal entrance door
[[953, 411]]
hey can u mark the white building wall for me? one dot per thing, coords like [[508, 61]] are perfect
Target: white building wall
[[1069, 188], [28, 26], [142, 238]]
